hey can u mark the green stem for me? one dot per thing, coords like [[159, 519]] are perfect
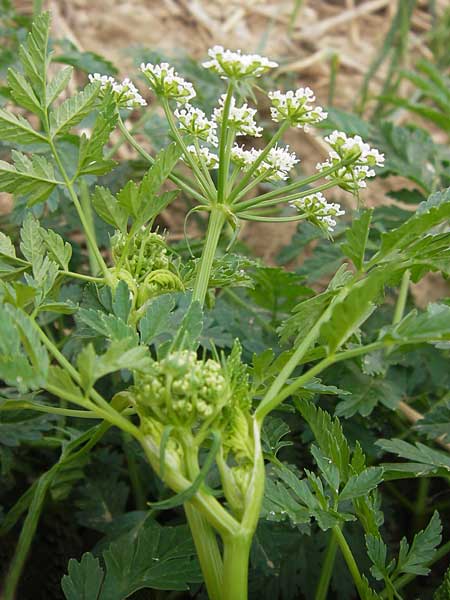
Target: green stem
[[82, 276], [187, 156], [90, 238], [149, 158], [215, 226], [402, 297], [236, 557], [266, 203], [259, 218], [85, 203], [327, 568], [224, 148], [238, 191], [350, 560]]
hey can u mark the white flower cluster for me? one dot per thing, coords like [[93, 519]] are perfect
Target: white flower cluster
[[296, 107], [242, 118], [276, 165], [317, 210], [235, 65], [209, 159], [361, 157], [194, 121], [125, 93], [166, 82]]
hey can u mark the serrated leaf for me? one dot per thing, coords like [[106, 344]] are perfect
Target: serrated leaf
[[429, 214], [436, 422], [414, 560], [362, 484], [148, 556], [73, 110], [91, 159], [58, 250], [109, 209], [33, 53], [6, 246], [156, 319], [190, 329], [84, 579], [15, 128], [367, 392], [273, 432], [357, 237], [418, 453], [33, 177], [59, 83], [377, 552], [431, 325], [22, 92]]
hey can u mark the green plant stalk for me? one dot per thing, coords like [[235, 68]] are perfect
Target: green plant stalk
[[92, 243], [224, 148], [85, 203], [349, 559], [82, 276], [149, 158], [295, 196], [179, 139], [402, 297], [327, 568], [204, 537], [215, 226], [236, 553]]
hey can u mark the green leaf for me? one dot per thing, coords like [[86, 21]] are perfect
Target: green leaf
[[156, 319], [443, 591], [377, 552], [59, 83], [367, 392], [58, 250], [418, 453], [273, 432], [158, 173], [122, 301], [33, 54], [91, 159], [190, 329], [431, 325], [357, 237], [436, 422], [15, 128], [147, 557], [73, 110], [362, 484], [84, 579], [429, 214], [414, 560], [33, 177], [6, 246], [23, 360], [23, 93], [304, 316], [109, 209]]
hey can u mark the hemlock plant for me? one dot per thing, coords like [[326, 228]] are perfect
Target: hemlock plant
[[198, 415]]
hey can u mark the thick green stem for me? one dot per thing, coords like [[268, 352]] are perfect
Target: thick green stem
[[224, 149], [208, 552], [350, 560], [215, 226], [86, 206], [236, 557], [327, 568], [402, 297]]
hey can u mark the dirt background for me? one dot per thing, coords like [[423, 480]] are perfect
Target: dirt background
[[302, 36]]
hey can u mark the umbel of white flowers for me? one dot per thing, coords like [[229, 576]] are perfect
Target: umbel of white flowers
[[295, 108]]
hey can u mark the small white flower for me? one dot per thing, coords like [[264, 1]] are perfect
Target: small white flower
[[317, 210], [194, 121], [125, 93], [296, 107], [166, 82], [210, 159], [278, 162], [235, 65], [239, 117], [362, 157], [242, 157]]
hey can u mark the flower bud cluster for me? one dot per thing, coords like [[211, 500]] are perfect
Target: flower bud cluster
[[126, 94], [235, 65], [275, 166], [317, 210], [146, 252], [193, 121], [360, 156], [241, 118], [166, 82], [296, 107], [182, 390]]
